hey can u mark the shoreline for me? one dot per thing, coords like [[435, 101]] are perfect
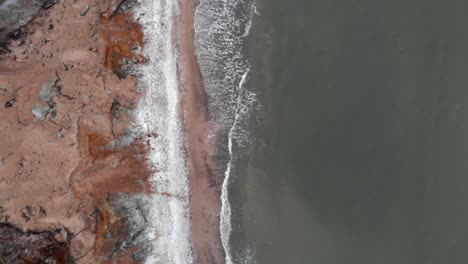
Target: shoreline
[[205, 204]]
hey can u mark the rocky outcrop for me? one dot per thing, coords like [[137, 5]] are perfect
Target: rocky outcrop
[[69, 157], [17, 246], [17, 13]]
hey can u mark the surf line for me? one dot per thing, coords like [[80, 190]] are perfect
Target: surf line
[[226, 213]]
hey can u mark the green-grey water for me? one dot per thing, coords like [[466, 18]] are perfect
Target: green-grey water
[[360, 152]]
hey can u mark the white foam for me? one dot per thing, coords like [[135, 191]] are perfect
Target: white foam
[[220, 28], [225, 218], [158, 112]]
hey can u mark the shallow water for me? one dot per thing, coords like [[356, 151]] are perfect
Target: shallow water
[[359, 152]]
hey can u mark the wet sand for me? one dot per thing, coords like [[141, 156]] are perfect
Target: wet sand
[[204, 198]]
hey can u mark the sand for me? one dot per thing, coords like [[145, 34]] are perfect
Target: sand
[[65, 151]]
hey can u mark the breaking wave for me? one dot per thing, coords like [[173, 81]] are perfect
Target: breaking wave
[[220, 31]]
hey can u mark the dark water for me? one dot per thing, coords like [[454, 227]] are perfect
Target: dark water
[[360, 154]]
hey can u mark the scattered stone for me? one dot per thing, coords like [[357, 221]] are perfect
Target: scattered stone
[[52, 112], [40, 111], [49, 90], [9, 103], [85, 10], [60, 133], [42, 211], [21, 164], [61, 235], [26, 217]]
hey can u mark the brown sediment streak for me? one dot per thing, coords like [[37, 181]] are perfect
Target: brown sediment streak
[[122, 36], [204, 197], [108, 169]]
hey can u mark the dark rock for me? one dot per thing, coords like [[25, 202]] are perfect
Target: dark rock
[[126, 6], [48, 3], [42, 211], [9, 103], [85, 10], [136, 209], [15, 34], [20, 247], [17, 13]]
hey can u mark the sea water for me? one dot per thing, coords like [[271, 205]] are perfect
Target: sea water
[[358, 154]]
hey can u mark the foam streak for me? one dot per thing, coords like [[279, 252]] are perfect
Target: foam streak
[[158, 112], [225, 220]]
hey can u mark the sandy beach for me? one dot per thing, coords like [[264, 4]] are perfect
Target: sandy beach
[[205, 192]]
